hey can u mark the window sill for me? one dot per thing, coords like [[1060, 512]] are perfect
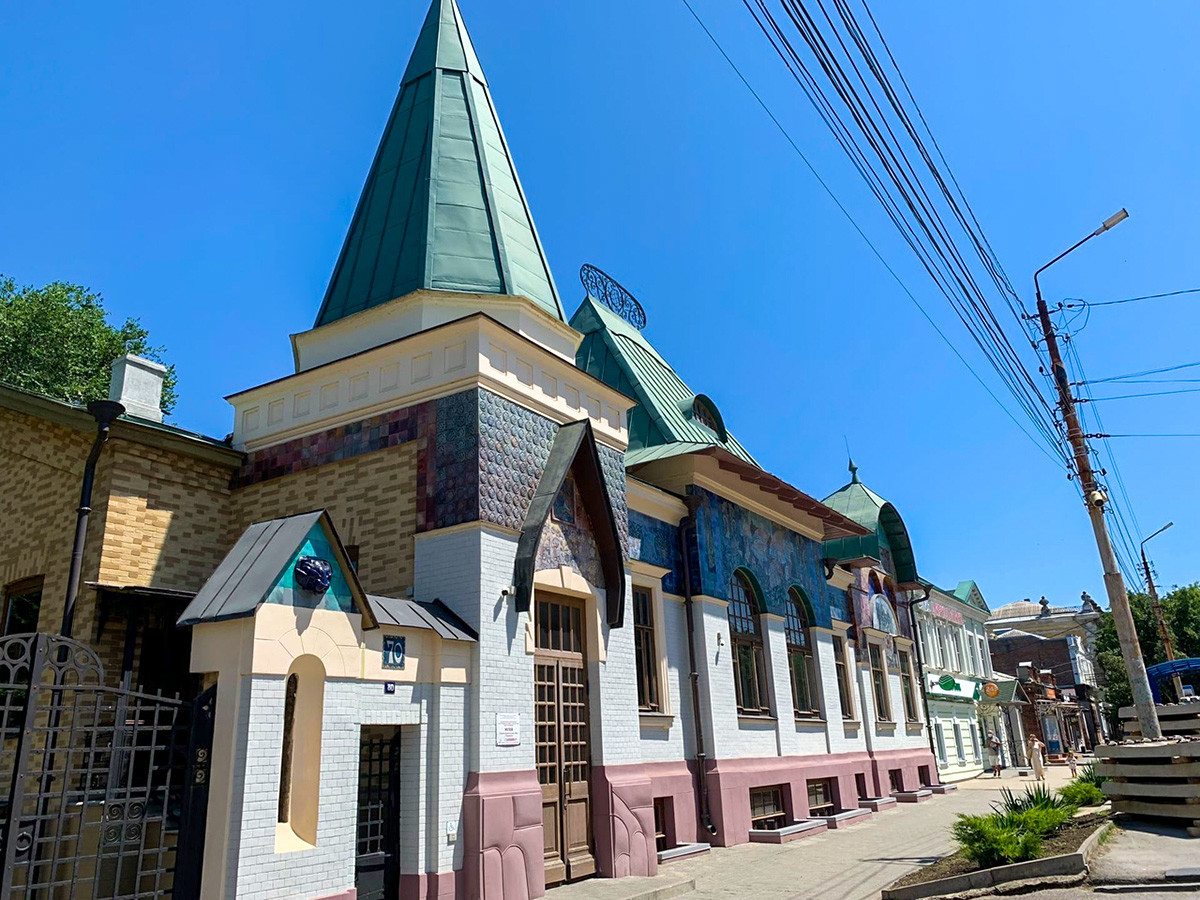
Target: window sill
[[755, 718], [651, 719], [852, 723], [811, 720], [885, 725]]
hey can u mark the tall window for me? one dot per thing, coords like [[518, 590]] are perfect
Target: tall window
[[879, 680], [942, 653], [750, 670], [941, 741], [800, 656], [908, 687], [22, 602], [843, 677], [643, 648], [975, 741], [985, 661], [958, 743]]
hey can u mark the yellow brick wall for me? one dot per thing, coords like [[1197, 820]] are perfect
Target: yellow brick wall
[[41, 465], [371, 499]]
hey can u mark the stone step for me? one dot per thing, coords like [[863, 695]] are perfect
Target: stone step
[[788, 832], [682, 851]]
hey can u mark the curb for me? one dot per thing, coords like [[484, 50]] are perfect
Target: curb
[[1032, 873]]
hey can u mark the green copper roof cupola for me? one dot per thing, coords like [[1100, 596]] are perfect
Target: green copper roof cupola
[[888, 533], [442, 208]]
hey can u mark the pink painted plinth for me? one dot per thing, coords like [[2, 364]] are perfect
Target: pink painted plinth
[[503, 854]]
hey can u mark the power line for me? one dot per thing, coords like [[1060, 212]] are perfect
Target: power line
[[1135, 299], [1136, 396], [1174, 435], [829, 191], [1190, 365]]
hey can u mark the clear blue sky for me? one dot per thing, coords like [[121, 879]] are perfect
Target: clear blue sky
[[198, 165]]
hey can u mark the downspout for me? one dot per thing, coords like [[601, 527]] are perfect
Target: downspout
[[912, 623], [105, 412], [687, 523]]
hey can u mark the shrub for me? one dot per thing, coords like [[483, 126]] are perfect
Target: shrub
[[995, 840], [1034, 798], [1008, 837], [1083, 793], [1087, 775]]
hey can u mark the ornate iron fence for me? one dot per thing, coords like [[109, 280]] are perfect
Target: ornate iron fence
[[106, 787]]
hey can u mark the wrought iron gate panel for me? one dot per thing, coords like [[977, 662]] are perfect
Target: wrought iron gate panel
[[97, 779]]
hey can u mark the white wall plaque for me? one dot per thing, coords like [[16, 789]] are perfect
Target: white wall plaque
[[508, 729]]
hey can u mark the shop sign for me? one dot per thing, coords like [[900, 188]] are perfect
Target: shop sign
[[945, 612], [991, 690], [956, 688]]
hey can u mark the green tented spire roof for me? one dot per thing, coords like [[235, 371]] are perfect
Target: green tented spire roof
[[442, 208]]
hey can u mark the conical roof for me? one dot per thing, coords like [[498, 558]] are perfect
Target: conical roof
[[442, 208], [858, 502]]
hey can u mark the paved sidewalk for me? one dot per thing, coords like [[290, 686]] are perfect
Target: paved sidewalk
[[847, 864]]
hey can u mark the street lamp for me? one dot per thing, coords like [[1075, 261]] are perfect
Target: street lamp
[[1095, 499], [1168, 647]]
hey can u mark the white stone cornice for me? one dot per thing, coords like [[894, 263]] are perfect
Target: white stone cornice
[[475, 351]]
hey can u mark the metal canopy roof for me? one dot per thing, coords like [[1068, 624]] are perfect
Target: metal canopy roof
[[442, 207], [248, 571], [434, 616]]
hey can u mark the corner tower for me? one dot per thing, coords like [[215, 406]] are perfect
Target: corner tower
[[442, 224]]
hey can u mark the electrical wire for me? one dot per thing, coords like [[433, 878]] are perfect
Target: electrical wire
[[1148, 394], [1190, 365], [1136, 299], [878, 255]]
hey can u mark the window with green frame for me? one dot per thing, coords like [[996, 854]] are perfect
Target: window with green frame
[[745, 630], [841, 667], [908, 687], [800, 656]]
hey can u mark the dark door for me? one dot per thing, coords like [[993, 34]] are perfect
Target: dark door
[[563, 754], [377, 862]]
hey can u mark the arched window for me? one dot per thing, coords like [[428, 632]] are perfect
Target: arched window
[[705, 412], [750, 670], [800, 655], [300, 755]]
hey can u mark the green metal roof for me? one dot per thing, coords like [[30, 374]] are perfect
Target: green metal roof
[[968, 592], [442, 208], [858, 502], [662, 423]]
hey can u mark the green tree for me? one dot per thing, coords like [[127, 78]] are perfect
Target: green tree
[[1181, 609], [57, 340]]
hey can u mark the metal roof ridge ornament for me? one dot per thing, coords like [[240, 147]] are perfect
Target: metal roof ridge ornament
[[603, 287]]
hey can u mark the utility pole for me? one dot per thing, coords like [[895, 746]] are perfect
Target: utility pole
[[1094, 499], [1163, 633]]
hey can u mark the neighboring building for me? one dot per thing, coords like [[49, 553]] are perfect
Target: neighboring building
[[489, 601], [950, 628], [1062, 640], [1008, 704], [1048, 715]]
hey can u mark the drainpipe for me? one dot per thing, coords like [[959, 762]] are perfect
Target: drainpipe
[[912, 623], [687, 523], [105, 412]]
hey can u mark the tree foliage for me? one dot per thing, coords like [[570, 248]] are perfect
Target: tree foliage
[[1181, 609], [57, 340]]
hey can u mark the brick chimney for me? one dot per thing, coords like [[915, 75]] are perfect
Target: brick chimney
[[137, 384]]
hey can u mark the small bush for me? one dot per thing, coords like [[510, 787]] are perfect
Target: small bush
[[1087, 775], [1034, 798], [995, 840], [1008, 837], [1082, 793]]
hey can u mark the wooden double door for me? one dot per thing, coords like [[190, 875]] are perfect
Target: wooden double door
[[563, 750]]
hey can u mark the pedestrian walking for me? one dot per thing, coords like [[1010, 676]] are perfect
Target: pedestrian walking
[[994, 753], [1037, 758]]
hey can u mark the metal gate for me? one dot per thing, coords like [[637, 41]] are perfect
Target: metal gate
[[104, 789], [377, 863]]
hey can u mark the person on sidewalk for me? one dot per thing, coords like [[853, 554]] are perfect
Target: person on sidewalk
[[994, 752], [1073, 762], [1037, 758]]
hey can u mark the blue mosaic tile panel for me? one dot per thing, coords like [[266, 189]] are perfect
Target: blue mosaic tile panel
[[612, 464], [448, 468], [658, 544], [729, 537], [571, 545], [514, 445]]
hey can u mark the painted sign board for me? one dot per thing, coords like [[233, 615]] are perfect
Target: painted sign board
[[393, 651], [508, 729], [953, 688], [991, 690], [945, 612]]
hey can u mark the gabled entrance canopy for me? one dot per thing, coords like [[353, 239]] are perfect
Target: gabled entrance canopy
[[574, 450]]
